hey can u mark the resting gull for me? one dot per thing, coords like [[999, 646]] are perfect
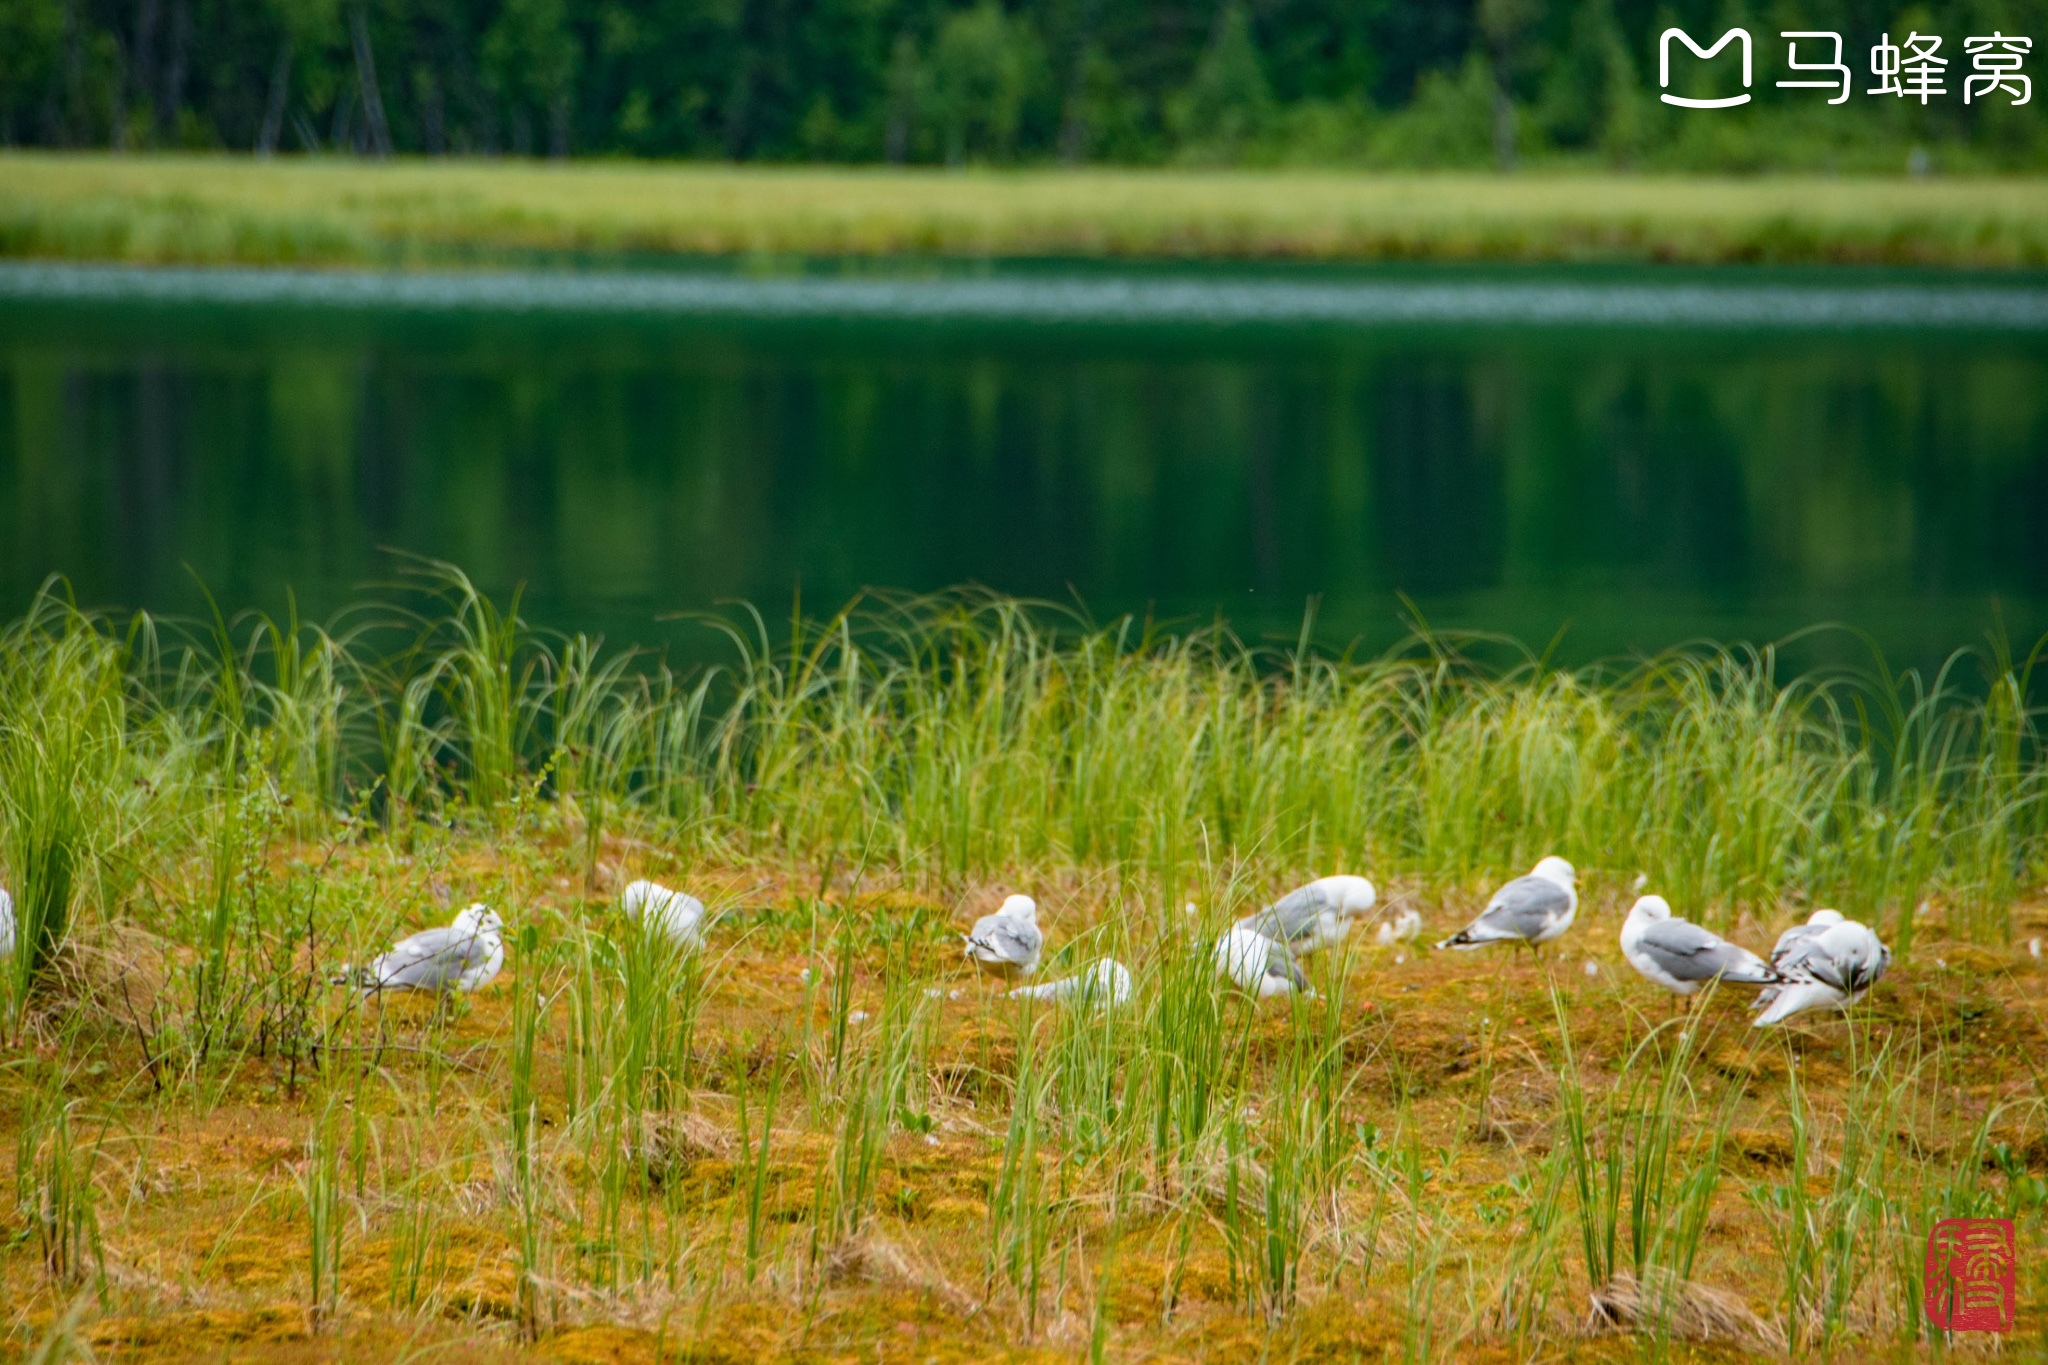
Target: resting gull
[[1315, 916], [1106, 983], [1682, 957], [1533, 909], [1009, 941], [464, 956], [1831, 969], [1258, 965], [679, 917]]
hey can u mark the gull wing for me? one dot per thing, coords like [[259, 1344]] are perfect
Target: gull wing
[[1291, 917], [1004, 938], [1689, 953], [430, 960]]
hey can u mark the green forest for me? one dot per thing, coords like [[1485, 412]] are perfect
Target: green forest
[[1407, 83]]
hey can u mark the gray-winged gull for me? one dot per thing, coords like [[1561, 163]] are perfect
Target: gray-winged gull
[[679, 917], [1315, 916], [1008, 942], [1533, 909], [1682, 957], [1258, 965], [1105, 983], [464, 956], [1830, 969]]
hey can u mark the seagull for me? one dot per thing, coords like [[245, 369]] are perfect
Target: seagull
[[1533, 909], [1259, 965], [462, 957], [1831, 969], [1104, 984], [1795, 942], [678, 916], [1682, 957], [1314, 917], [1008, 942], [1402, 930], [6, 923]]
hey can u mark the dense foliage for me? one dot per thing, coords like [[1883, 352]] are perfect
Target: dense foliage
[[1386, 82]]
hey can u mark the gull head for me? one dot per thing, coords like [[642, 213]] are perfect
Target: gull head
[[1650, 907], [1825, 917], [479, 919], [1556, 869], [1020, 907], [1354, 895]]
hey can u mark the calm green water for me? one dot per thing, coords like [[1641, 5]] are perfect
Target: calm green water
[[1636, 459]]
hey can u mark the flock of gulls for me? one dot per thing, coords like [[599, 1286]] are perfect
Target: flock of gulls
[[1829, 962]]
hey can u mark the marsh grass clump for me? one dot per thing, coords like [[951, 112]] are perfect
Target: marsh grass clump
[[817, 1133]]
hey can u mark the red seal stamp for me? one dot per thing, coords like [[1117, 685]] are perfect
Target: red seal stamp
[[1972, 1275]]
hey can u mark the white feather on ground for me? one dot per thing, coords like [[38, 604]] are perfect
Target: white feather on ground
[[1402, 929], [1315, 916], [1009, 941], [676, 915], [1533, 909], [1258, 965], [1682, 957], [464, 956], [1829, 969], [1105, 984]]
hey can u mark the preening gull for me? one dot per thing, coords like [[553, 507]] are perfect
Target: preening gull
[[1830, 969], [1315, 916], [676, 915], [464, 956], [1104, 984], [1533, 909], [1008, 942], [1794, 942], [1402, 929], [1259, 965], [1682, 957], [6, 923]]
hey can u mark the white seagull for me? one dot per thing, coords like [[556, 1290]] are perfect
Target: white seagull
[[1828, 969], [1402, 929], [1682, 957], [677, 916], [1533, 909], [1105, 984], [1315, 916], [464, 956], [1795, 941], [1008, 942], [1258, 965], [6, 923]]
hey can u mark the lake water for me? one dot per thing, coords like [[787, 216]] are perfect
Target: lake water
[[1632, 457]]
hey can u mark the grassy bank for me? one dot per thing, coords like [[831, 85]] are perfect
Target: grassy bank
[[821, 1140], [295, 211]]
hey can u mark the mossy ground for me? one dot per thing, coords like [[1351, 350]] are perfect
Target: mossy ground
[[204, 1223]]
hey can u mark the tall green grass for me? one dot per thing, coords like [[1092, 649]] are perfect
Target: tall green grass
[[960, 734]]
